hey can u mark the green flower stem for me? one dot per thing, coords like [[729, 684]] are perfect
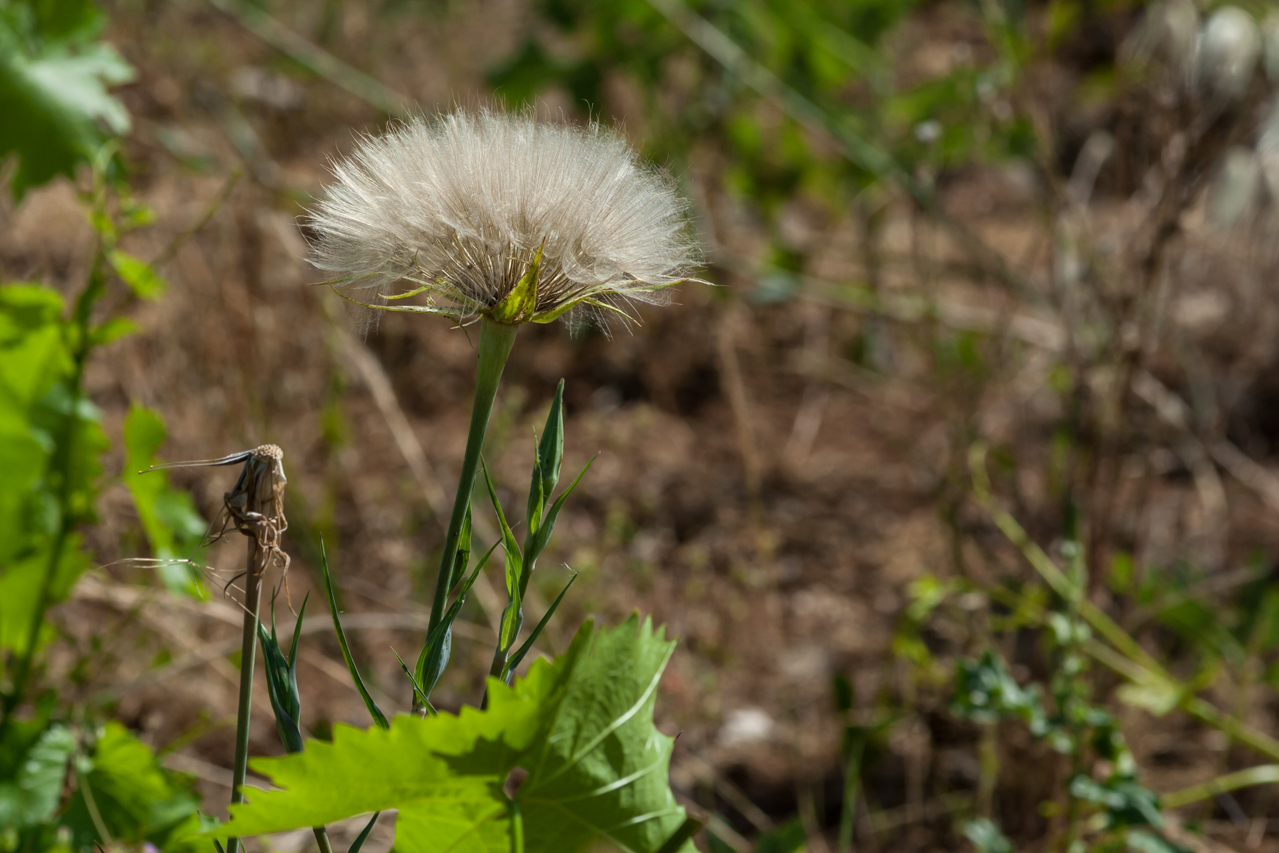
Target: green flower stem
[[322, 839], [496, 340], [248, 650]]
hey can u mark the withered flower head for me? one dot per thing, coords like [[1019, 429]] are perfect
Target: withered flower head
[[500, 215]]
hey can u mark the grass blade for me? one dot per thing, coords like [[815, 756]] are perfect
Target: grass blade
[[374, 710]]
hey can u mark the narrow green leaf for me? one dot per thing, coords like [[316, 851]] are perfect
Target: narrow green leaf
[[374, 710], [546, 462], [550, 453], [434, 657], [512, 617], [536, 499], [463, 556], [514, 557], [282, 681], [520, 304], [543, 535], [417, 687], [297, 630], [282, 691], [364, 835], [516, 658]]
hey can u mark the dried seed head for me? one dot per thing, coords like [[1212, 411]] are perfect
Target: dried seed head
[[488, 213]]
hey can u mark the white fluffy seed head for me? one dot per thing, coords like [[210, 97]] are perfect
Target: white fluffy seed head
[[458, 210]]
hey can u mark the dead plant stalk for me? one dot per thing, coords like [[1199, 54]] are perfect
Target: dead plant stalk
[[255, 507]]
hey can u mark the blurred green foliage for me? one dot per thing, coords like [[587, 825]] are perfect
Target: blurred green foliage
[[66, 782], [581, 725], [829, 67], [66, 785], [54, 81]]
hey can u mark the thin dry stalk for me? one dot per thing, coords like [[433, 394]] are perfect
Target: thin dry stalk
[[255, 506]]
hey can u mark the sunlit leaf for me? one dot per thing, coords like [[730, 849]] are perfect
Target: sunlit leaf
[[54, 83], [581, 726]]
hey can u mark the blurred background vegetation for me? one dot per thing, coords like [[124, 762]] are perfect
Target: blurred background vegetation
[[959, 487]]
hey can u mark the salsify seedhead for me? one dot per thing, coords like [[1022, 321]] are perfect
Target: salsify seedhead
[[501, 215]]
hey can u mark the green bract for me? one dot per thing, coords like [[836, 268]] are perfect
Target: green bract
[[581, 726]]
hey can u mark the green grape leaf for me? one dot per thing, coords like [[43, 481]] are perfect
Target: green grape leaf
[[34, 795], [580, 726]]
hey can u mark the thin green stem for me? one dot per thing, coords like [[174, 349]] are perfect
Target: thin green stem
[[248, 653], [322, 839], [496, 340]]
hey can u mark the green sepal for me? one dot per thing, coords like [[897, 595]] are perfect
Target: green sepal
[[403, 309], [598, 304], [520, 304], [543, 535], [590, 296], [555, 313], [508, 670], [406, 294], [374, 711]]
